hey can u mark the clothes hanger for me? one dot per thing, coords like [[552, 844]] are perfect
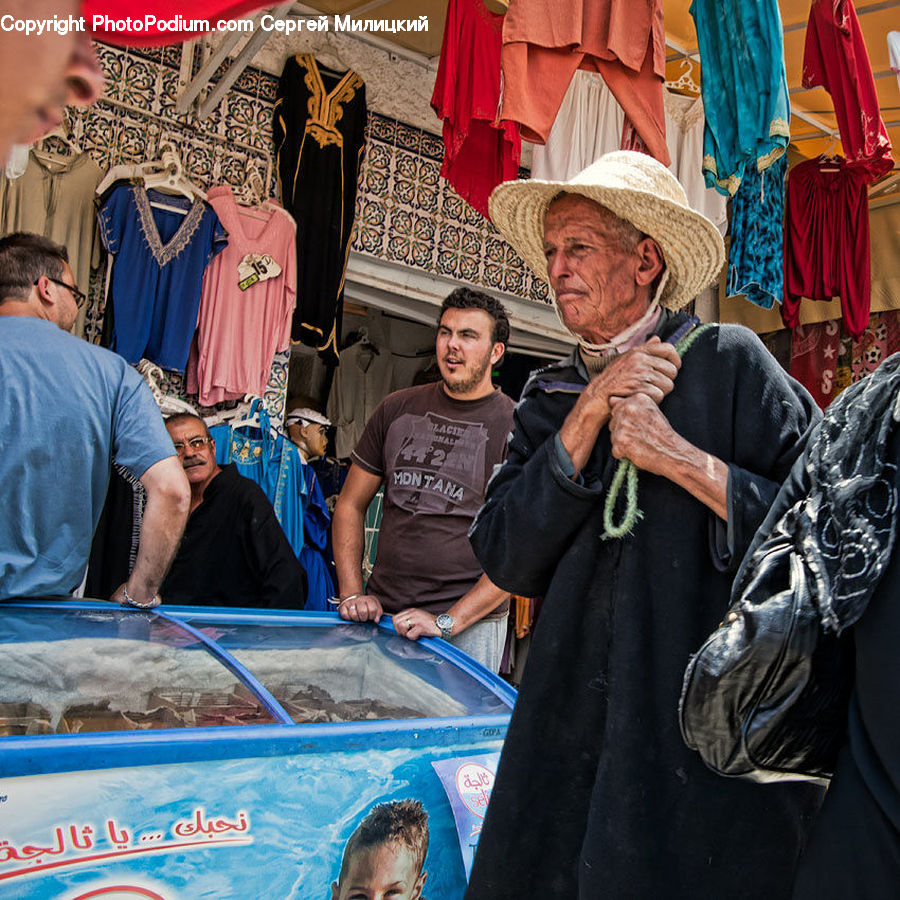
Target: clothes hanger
[[685, 83], [121, 172], [828, 159], [62, 132], [330, 56], [167, 175], [252, 196], [251, 416]]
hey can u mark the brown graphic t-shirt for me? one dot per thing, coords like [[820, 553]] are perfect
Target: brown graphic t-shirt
[[435, 454]]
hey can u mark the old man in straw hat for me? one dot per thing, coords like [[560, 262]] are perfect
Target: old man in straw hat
[[638, 471]]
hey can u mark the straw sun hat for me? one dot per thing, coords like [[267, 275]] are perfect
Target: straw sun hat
[[636, 188]]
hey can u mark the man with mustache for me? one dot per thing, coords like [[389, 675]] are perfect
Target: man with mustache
[[433, 447], [234, 552]]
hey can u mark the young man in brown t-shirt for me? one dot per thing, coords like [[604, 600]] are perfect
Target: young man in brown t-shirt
[[434, 448]]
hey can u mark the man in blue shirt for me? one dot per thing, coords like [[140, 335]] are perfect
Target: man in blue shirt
[[69, 409]]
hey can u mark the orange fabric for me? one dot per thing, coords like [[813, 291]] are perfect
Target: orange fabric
[[545, 41], [523, 614]]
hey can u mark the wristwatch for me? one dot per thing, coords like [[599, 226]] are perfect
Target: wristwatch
[[445, 622]]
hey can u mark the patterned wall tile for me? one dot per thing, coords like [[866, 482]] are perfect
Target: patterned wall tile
[[405, 211]]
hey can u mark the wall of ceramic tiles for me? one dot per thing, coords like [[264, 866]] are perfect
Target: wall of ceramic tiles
[[405, 211]]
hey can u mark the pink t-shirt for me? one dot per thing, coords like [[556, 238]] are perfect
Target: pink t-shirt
[[245, 307]]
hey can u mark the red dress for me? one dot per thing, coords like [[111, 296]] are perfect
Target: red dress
[[826, 240], [478, 154], [545, 41], [835, 58]]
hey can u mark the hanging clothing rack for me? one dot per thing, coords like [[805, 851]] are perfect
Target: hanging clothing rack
[[824, 127]]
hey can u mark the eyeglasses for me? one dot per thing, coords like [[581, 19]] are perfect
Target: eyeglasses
[[195, 443], [80, 296]]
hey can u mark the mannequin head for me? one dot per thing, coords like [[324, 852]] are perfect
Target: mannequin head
[[307, 429]]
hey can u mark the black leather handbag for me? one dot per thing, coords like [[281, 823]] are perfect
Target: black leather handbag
[[766, 696]]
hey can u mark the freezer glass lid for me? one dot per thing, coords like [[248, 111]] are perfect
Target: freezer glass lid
[[69, 671], [347, 673]]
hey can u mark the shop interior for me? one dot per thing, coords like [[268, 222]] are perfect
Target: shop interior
[[206, 121]]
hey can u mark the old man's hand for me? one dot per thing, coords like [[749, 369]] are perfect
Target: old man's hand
[[640, 432], [648, 369]]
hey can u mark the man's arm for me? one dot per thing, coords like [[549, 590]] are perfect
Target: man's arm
[[281, 582], [472, 607], [168, 504], [348, 539]]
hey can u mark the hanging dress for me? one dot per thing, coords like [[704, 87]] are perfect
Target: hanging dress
[[835, 58], [57, 201], [272, 461], [319, 134], [478, 153], [744, 87], [826, 241], [546, 41], [248, 298]]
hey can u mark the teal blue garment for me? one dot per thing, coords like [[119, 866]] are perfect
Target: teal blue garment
[[68, 409], [744, 88], [273, 462], [756, 254]]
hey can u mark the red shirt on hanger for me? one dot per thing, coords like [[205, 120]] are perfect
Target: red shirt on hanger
[[478, 154], [826, 240], [835, 58]]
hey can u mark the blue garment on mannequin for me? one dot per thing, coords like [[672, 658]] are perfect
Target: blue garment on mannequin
[[274, 463]]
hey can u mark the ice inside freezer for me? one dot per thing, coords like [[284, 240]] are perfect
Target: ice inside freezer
[[68, 671], [75, 670], [351, 672]]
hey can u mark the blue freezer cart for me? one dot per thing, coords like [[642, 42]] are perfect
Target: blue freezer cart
[[208, 753]]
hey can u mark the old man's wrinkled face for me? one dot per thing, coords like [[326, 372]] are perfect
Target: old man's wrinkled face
[[593, 260]]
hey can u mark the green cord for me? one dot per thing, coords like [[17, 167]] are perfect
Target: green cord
[[626, 472]]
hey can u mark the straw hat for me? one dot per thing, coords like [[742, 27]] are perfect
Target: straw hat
[[636, 188]]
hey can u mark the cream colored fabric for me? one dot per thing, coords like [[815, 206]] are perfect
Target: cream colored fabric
[[57, 202]]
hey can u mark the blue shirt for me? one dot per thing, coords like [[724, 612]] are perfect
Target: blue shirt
[[157, 275], [744, 88], [67, 410]]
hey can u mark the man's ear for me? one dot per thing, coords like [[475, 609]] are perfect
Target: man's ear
[[650, 261], [42, 286], [497, 351], [335, 893], [420, 884]]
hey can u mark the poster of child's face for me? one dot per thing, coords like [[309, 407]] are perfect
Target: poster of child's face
[[384, 857]]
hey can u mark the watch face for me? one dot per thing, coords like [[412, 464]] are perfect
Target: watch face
[[445, 623]]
